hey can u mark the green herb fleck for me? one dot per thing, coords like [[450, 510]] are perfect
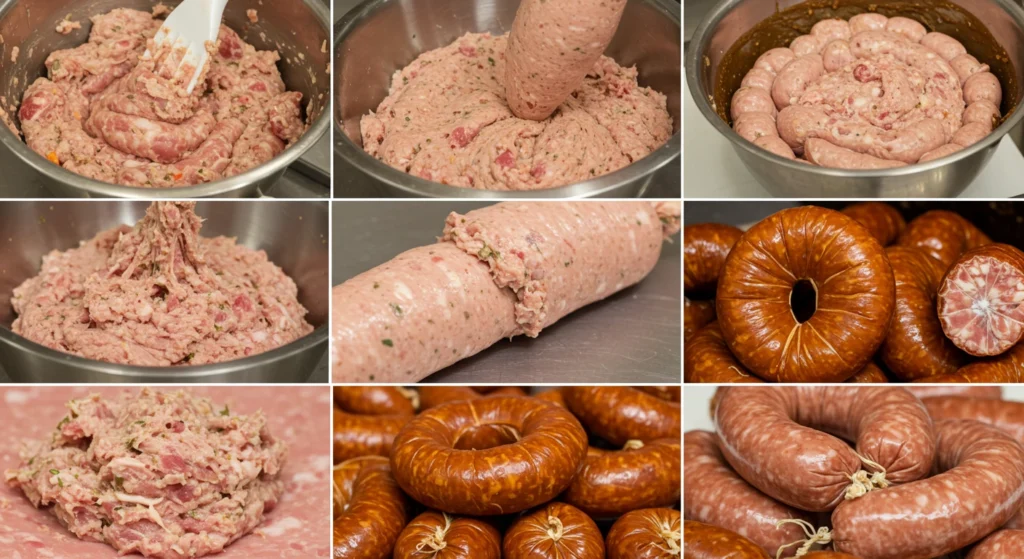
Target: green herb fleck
[[490, 60], [388, 342], [396, 309], [55, 472], [225, 411]]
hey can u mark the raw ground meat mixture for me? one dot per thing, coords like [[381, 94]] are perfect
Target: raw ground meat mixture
[[167, 475], [446, 119], [158, 294], [106, 113]]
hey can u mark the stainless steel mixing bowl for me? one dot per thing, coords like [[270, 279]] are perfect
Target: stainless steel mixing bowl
[[294, 235], [379, 37], [946, 177], [298, 29]]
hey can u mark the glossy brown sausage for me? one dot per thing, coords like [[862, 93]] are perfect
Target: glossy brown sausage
[[1000, 545], [641, 475], [669, 393], [714, 494], [499, 480], [432, 396], [915, 346], [1008, 416], [620, 413], [704, 541], [943, 235], [980, 486], [780, 439], [375, 400], [370, 509], [705, 247], [883, 221], [554, 531], [696, 315], [870, 374], [436, 535], [980, 392], [845, 296], [707, 359], [981, 300], [556, 396], [364, 435], [1007, 368]]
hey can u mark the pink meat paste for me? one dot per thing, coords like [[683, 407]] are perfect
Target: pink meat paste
[[869, 93], [158, 294], [447, 119], [166, 475], [108, 113]]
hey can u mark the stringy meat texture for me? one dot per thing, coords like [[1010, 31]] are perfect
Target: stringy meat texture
[[158, 294], [109, 113], [446, 119], [166, 475]]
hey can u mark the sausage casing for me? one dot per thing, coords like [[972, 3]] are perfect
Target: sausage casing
[[370, 509], [704, 541], [554, 531], [440, 536], [612, 483], [870, 374], [1007, 368], [943, 235], [980, 392], [696, 315], [620, 413], [705, 247], [1007, 416], [883, 221], [364, 435], [1002, 544], [375, 400], [707, 358]]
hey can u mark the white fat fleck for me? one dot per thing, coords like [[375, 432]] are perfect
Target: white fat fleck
[[281, 527], [15, 397], [304, 477], [127, 462], [601, 287], [137, 499], [402, 291]]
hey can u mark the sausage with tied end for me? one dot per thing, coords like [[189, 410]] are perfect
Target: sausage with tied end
[[641, 475], [705, 541], [1008, 416], [714, 494], [376, 400], [370, 509], [916, 346], [980, 486], [705, 248], [707, 359], [437, 535], [781, 439], [981, 300], [499, 480], [554, 531], [943, 235], [883, 221], [1000, 545], [826, 257], [619, 414]]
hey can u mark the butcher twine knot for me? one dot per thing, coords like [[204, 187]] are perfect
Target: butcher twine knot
[[821, 537], [554, 527], [411, 395], [862, 482], [436, 541], [633, 444], [671, 538]]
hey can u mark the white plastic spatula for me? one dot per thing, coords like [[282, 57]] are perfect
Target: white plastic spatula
[[190, 26]]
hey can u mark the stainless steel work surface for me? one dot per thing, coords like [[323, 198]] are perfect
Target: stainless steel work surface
[[633, 336]]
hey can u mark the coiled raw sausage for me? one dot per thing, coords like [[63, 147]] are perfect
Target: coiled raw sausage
[[714, 494], [883, 221], [981, 300], [364, 435], [1008, 416], [554, 531], [943, 235], [619, 414], [824, 153], [376, 400], [915, 346], [1000, 545], [641, 475], [981, 485], [704, 541], [370, 509], [708, 359], [705, 248], [500, 480], [779, 439], [981, 392], [437, 535], [818, 263]]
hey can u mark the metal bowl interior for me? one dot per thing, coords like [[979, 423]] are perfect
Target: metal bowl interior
[[730, 20], [298, 29], [648, 37], [293, 234]]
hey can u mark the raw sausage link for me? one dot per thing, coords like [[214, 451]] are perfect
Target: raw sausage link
[[641, 475], [708, 359], [618, 414], [1000, 545], [870, 374], [943, 235], [981, 392], [1008, 416], [844, 271], [824, 153], [696, 315], [500, 480], [715, 494], [981, 300], [554, 531], [375, 400], [370, 509], [981, 485], [364, 435], [436, 535], [433, 396], [779, 440], [883, 221], [704, 541], [915, 346], [705, 248], [1007, 368]]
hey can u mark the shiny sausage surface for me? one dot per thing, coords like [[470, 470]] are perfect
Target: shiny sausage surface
[[1000, 545], [704, 541], [554, 531], [364, 435], [705, 248], [1008, 416], [1007, 368], [435, 535], [883, 221], [620, 413], [375, 400], [641, 475], [370, 509], [942, 234], [707, 359]]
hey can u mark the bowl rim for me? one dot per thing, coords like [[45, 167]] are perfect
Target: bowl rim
[[695, 52], [227, 185], [412, 185]]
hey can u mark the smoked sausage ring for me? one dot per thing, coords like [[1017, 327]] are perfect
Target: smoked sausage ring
[[433, 396], [883, 221], [870, 374], [499, 480], [705, 247], [670, 393], [369, 509], [646, 534], [696, 315], [707, 359], [364, 435], [554, 531], [978, 392], [1007, 368], [376, 400], [806, 295], [641, 475], [436, 535], [619, 414], [943, 235], [781, 439]]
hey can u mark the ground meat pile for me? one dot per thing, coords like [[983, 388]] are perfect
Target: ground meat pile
[[158, 294], [108, 113], [869, 93], [163, 474], [446, 119]]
